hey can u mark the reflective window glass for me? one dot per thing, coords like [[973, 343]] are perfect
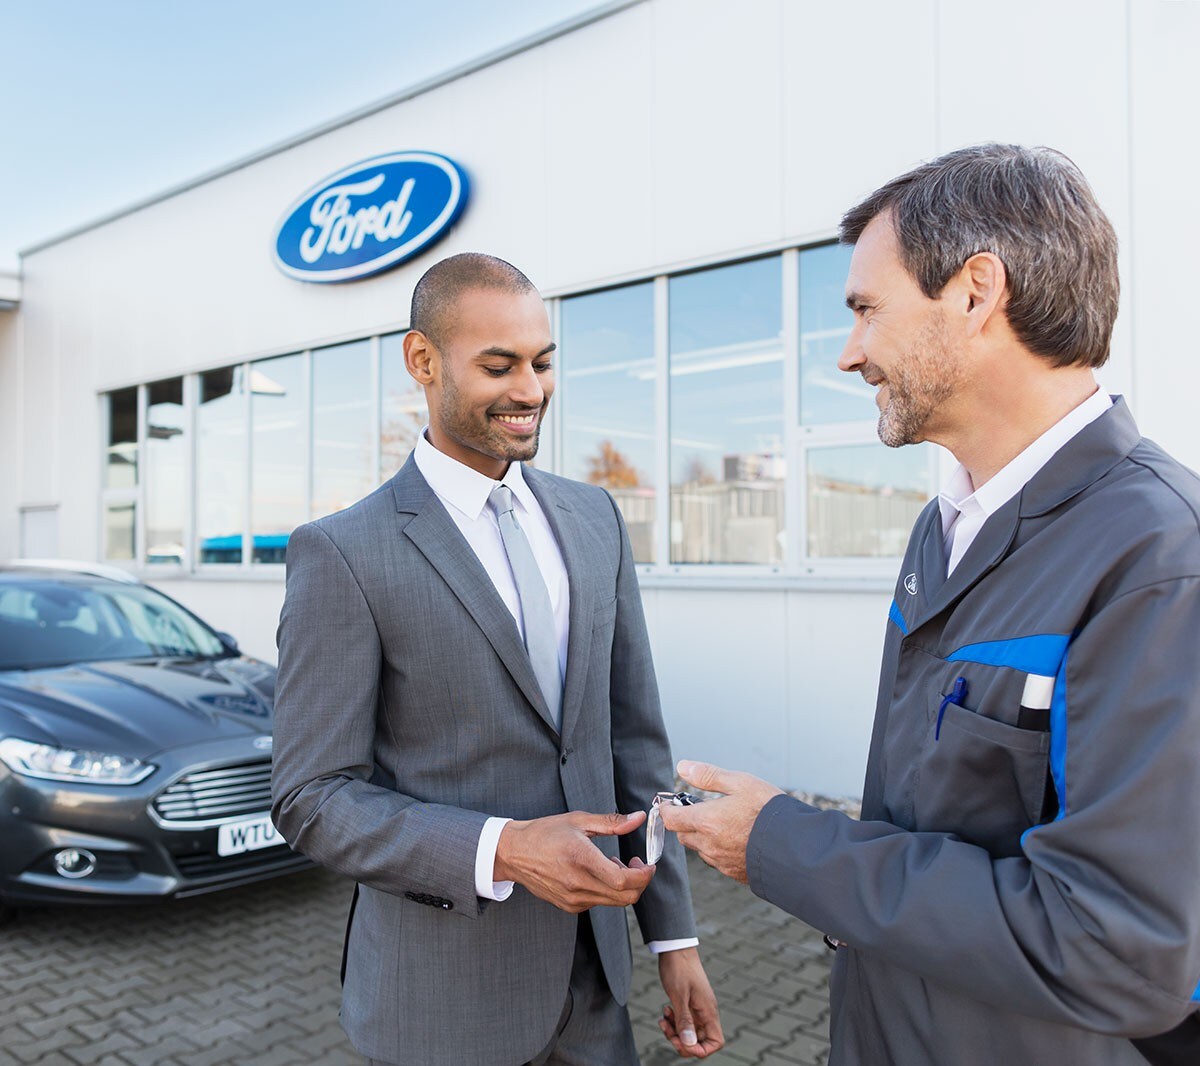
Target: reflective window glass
[[342, 426], [221, 465], [403, 401], [606, 367], [726, 396], [863, 499], [166, 472], [828, 394], [278, 401], [119, 538], [120, 466]]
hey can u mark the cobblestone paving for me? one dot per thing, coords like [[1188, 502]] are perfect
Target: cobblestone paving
[[249, 978]]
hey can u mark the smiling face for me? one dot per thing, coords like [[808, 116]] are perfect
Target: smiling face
[[489, 380], [900, 343]]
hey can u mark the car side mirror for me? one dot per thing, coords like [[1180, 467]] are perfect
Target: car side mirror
[[229, 640]]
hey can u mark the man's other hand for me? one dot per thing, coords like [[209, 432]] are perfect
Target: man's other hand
[[556, 860], [690, 1021], [718, 829]]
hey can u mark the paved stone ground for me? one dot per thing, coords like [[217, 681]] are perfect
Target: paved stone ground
[[249, 977]]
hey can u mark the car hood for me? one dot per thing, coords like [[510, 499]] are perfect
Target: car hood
[[138, 707]]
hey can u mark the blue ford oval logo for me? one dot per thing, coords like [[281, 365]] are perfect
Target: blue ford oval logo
[[370, 217]]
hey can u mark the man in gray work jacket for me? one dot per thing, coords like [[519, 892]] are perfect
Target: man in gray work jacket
[[1024, 885]]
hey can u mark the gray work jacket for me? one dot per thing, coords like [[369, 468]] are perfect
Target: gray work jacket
[[1013, 895]]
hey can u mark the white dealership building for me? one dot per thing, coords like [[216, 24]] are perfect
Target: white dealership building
[[176, 398]]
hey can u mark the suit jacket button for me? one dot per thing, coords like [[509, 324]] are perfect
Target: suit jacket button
[[564, 759]]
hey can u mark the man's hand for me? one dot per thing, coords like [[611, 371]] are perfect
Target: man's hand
[[718, 829], [691, 1021], [556, 860]]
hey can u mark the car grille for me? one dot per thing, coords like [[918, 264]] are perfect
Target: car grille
[[212, 865], [217, 795]]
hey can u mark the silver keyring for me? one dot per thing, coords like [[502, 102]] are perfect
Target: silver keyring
[[656, 832]]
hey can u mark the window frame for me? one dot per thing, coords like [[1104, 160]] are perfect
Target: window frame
[[796, 570]]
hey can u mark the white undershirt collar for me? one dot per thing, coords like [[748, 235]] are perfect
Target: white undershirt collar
[[461, 486], [965, 508]]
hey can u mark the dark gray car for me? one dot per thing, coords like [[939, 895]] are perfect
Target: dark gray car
[[135, 746]]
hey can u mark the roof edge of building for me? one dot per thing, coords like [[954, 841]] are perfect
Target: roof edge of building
[[10, 290], [471, 66]]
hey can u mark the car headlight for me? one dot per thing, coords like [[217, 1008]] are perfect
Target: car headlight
[[67, 764]]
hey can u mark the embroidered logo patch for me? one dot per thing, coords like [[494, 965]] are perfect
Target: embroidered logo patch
[[910, 584]]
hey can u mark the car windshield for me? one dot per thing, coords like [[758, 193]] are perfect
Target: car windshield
[[44, 622]]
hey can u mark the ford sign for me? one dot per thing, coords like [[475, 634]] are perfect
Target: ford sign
[[370, 217]]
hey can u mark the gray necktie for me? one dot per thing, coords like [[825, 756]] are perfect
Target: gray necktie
[[541, 634]]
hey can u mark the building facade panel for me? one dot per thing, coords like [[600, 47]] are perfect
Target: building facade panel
[[717, 172], [1165, 225], [859, 91]]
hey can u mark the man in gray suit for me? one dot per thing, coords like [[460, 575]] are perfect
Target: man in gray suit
[[464, 675]]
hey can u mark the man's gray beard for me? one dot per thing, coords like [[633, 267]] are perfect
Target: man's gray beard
[[916, 390], [901, 424]]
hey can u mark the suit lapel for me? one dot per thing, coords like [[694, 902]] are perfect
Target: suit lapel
[[435, 536], [575, 542]]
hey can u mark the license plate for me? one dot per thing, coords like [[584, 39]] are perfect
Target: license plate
[[248, 834]]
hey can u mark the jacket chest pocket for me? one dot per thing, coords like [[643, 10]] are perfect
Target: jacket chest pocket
[[982, 780]]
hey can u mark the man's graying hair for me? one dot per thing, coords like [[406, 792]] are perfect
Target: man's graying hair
[[1034, 210]]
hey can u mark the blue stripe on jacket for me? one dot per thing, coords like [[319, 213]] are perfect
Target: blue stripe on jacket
[[1039, 654]]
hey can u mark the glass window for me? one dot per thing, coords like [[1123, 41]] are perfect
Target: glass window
[[48, 623], [278, 401], [862, 499], [828, 394], [342, 427], [120, 467], [119, 538], [221, 465], [166, 472], [403, 400], [607, 372], [726, 397]]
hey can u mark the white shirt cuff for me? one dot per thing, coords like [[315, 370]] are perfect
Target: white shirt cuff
[[659, 946], [485, 862]]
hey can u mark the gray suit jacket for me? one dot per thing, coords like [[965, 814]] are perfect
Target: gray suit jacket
[[407, 712]]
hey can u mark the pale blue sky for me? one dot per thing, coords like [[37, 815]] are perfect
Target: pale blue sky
[[106, 102]]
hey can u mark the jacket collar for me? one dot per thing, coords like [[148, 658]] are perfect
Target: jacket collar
[[1081, 462]]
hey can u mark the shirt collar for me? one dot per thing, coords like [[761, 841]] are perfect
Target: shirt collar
[[457, 484], [960, 497]]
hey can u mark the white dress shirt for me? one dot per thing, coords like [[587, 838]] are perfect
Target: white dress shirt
[[964, 508], [464, 493]]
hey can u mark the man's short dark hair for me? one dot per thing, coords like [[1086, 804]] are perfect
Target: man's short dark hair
[[1034, 210], [437, 293]]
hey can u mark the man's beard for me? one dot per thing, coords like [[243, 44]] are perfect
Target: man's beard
[[463, 425], [922, 379]]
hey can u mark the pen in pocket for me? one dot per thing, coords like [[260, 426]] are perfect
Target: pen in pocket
[[1035, 703]]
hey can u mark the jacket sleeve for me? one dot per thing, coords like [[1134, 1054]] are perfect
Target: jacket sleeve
[[642, 763], [324, 799], [1097, 923]]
